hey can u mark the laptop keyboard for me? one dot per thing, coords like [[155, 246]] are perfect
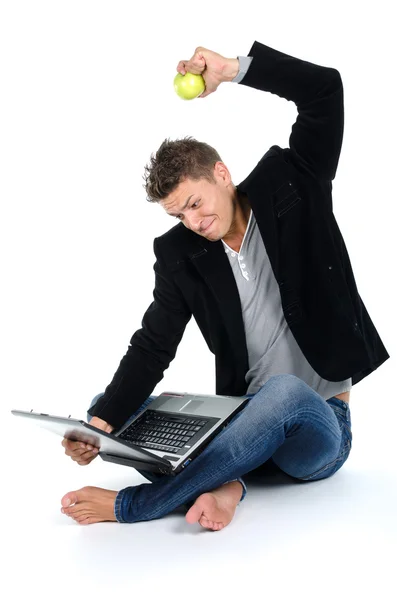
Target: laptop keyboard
[[160, 432]]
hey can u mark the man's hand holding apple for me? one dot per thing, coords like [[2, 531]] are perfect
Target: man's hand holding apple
[[214, 68]]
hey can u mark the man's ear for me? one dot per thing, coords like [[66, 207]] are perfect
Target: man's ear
[[222, 173]]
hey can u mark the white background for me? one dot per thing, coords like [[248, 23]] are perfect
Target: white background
[[86, 96]]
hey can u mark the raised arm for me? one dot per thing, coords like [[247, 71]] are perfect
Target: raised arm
[[316, 138]]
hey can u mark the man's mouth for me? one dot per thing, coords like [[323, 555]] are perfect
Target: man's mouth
[[208, 226]]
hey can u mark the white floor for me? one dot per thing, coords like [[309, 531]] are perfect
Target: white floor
[[333, 538]]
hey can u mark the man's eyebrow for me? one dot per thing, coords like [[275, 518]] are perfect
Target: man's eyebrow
[[183, 207]]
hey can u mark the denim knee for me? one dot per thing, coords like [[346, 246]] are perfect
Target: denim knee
[[285, 383], [285, 390]]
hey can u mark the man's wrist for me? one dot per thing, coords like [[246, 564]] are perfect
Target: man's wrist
[[231, 69]]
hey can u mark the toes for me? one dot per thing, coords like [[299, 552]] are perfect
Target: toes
[[194, 513], [86, 520], [214, 525], [204, 522], [83, 516], [203, 506], [69, 499], [76, 509]]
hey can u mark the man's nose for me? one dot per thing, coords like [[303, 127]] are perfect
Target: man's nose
[[195, 223]]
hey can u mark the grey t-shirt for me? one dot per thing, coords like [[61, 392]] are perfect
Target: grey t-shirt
[[272, 348]]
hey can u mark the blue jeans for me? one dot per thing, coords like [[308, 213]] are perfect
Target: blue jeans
[[286, 425]]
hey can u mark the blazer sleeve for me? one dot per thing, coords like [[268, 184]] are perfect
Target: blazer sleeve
[[316, 139], [150, 351]]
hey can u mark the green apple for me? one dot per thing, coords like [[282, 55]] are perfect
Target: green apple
[[189, 86]]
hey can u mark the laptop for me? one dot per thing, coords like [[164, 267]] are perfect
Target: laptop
[[163, 438]]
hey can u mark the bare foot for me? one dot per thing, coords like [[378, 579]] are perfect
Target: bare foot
[[214, 510], [89, 505]]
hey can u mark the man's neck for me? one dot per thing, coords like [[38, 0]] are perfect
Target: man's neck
[[242, 215]]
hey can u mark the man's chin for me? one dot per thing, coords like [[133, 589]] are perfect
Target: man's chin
[[210, 235], [213, 237]]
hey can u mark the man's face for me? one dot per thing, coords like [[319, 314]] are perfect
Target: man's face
[[205, 208]]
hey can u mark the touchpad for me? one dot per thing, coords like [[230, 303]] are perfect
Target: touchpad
[[174, 404], [192, 406]]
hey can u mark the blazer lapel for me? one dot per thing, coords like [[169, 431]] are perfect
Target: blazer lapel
[[211, 262]]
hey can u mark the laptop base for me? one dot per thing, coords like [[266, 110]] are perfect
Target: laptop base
[[136, 464]]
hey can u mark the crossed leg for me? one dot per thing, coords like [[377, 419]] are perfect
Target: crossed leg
[[286, 420]]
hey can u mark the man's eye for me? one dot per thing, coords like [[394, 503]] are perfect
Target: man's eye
[[179, 217]]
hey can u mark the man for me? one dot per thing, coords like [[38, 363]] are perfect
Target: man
[[263, 268]]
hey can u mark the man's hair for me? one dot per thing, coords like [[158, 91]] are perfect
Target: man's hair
[[175, 161]]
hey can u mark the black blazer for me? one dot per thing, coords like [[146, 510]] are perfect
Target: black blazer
[[290, 192]]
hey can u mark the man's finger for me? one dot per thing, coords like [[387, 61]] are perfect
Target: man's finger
[[181, 68], [79, 451], [205, 93], [75, 452], [67, 444], [71, 445], [88, 455], [86, 458], [194, 68]]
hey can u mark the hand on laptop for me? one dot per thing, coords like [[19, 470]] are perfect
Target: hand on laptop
[[82, 453]]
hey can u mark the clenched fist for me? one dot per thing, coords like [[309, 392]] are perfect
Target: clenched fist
[[214, 68]]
